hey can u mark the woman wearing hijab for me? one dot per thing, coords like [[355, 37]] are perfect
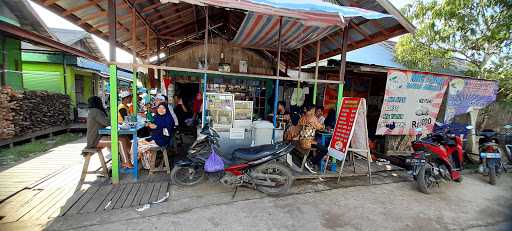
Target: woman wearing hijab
[[97, 119], [162, 127], [161, 135]]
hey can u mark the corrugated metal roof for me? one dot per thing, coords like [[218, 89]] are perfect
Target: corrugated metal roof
[[25, 16], [68, 36], [178, 21], [380, 54]]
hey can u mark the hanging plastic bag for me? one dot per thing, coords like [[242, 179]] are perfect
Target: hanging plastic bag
[[214, 163]]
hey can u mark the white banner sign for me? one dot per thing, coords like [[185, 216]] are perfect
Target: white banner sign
[[412, 100]]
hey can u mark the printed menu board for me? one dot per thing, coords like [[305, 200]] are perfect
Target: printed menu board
[[344, 127]]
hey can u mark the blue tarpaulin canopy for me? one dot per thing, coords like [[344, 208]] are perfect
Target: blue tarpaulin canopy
[[312, 12]]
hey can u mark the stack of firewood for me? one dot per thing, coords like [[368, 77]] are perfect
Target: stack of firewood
[[6, 118], [31, 111]]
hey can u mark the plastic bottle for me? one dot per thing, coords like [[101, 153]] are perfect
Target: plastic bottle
[[333, 165]]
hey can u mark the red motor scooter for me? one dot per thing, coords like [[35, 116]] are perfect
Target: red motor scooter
[[437, 157]]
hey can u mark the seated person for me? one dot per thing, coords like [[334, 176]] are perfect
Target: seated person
[[163, 126], [309, 125], [97, 119], [124, 109], [283, 117], [161, 134], [319, 113]]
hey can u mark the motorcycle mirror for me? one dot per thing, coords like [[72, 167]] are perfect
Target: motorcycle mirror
[[469, 127]]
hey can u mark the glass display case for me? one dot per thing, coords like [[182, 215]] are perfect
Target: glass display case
[[243, 114], [243, 110], [220, 109]]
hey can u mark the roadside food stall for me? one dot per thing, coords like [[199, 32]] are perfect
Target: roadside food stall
[[288, 34], [448, 102]]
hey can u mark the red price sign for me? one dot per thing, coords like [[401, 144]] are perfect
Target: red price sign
[[344, 126]]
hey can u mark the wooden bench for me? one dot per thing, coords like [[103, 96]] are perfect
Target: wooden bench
[[87, 153], [166, 167]]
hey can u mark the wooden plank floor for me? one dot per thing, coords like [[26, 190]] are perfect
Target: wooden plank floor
[[39, 169], [108, 197], [43, 188]]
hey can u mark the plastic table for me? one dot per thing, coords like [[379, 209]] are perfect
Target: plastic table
[[135, 144], [324, 137]]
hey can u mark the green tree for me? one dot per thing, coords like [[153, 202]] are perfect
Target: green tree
[[477, 31]]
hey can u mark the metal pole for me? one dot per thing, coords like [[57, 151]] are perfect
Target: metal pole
[[205, 77], [343, 63], [276, 88], [113, 91], [316, 71]]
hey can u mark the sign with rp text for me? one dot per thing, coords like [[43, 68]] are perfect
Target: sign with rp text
[[412, 100], [344, 127]]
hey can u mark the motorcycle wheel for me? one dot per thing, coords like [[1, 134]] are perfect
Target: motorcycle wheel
[[492, 175], [187, 176], [275, 169], [424, 179]]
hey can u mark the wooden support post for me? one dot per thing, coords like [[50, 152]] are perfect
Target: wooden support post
[[316, 71], [113, 91], [159, 71], [134, 60], [343, 62], [205, 77], [3, 78], [276, 88], [147, 42], [64, 73], [298, 76]]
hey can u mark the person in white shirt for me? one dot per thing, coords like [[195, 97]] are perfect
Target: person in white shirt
[[319, 113]]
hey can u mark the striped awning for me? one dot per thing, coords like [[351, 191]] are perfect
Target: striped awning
[[261, 31]]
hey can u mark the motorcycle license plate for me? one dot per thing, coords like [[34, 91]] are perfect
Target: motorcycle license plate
[[414, 161], [490, 155]]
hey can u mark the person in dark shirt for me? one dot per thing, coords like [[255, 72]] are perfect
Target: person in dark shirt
[[330, 120], [180, 110], [163, 126], [97, 119]]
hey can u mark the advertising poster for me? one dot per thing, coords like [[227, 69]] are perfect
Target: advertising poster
[[330, 97], [412, 100], [467, 94], [344, 127]]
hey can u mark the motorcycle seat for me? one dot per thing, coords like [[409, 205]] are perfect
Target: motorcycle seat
[[254, 153]]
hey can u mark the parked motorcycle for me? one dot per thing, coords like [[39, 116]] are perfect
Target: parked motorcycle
[[490, 154], [437, 157], [507, 141], [254, 166]]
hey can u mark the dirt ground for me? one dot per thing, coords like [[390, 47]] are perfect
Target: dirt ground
[[387, 205]]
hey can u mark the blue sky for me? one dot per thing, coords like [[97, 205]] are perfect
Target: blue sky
[[53, 20]]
